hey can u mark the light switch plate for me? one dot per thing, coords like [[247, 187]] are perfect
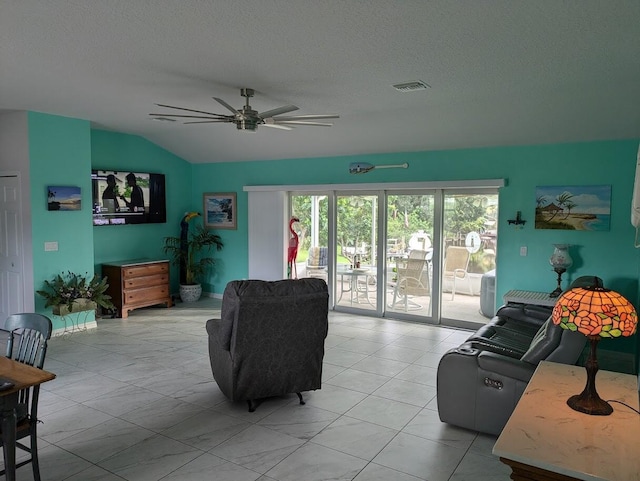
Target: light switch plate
[[50, 246]]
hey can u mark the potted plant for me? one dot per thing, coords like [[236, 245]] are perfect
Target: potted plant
[[71, 292], [189, 255]]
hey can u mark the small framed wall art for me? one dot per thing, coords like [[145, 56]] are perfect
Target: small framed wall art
[[220, 211], [63, 197]]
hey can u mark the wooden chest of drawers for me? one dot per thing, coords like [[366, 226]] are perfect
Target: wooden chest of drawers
[[137, 283]]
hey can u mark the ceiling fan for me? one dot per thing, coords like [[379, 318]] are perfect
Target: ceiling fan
[[248, 119]]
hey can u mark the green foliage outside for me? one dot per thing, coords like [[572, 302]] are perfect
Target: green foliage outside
[[407, 214]]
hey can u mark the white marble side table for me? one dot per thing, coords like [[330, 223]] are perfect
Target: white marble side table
[[545, 439]]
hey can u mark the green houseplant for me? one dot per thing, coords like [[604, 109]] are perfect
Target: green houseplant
[[191, 255], [71, 292]]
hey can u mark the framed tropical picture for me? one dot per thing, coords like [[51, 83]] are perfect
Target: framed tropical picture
[[220, 210], [573, 207], [63, 197]]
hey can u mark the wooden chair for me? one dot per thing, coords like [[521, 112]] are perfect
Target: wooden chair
[[28, 344]]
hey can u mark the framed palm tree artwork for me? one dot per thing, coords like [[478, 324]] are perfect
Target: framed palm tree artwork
[[573, 207]]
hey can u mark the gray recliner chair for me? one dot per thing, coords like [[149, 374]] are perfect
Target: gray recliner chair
[[270, 338]]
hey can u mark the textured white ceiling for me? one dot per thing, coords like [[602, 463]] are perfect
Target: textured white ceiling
[[502, 72]]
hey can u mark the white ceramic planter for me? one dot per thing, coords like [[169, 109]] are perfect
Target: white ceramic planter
[[190, 293]]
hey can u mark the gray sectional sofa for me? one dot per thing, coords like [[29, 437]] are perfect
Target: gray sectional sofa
[[480, 382]]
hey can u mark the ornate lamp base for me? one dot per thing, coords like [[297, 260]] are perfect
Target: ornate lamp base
[[558, 290], [588, 401]]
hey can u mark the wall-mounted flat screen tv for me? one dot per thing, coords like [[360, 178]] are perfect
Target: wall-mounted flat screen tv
[[124, 197]]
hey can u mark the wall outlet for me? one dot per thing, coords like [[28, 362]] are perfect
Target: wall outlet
[[50, 246], [523, 251]]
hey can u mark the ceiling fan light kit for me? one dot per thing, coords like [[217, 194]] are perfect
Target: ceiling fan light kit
[[246, 118]]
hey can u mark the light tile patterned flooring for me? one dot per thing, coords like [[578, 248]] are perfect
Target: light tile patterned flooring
[[135, 400]]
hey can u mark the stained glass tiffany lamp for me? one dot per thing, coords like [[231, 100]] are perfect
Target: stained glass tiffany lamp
[[595, 312]]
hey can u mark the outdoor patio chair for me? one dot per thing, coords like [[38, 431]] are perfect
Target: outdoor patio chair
[[456, 262], [317, 262], [412, 279]]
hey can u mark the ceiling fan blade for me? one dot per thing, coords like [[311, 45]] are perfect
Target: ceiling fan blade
[[209, 121], [280, 110], [303, 122], [189, 110], [276, 126], [309, 117], [222, 102], [211, 117]]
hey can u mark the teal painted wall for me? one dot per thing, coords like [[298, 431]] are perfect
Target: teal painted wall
[[117, 151], [63, 151], [610, 255], [60, 154]]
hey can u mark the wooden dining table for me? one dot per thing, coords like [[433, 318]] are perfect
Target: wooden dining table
[[22, 376]]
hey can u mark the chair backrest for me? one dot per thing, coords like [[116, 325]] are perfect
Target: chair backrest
[[5, 339], [28, 346], [30, 333], [553, 343], [257, 307], [413, 265], [586, 281], [456, 258], [29, 320], [317, 257]]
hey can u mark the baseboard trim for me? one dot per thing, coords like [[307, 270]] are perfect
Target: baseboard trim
[[212, 294], [63, 331]]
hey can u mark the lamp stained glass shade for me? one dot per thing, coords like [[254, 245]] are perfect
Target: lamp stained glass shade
[[594, 311]]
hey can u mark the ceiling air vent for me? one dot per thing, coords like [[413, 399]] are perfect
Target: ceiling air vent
[[411, 86]]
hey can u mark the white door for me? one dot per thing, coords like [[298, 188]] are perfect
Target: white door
[[11, 275]]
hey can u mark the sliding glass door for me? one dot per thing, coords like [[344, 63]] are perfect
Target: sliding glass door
[[409, 253], [468, 247], [312, 212], [423, 255], [356, 251]]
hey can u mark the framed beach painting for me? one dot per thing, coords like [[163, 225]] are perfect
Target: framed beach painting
[[63, 197], [220, 210], [575, 207]]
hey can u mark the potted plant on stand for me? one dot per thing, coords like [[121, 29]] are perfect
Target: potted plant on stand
[[70, 292], [191, 255]]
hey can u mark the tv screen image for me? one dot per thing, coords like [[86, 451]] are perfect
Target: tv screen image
[[123, 197]]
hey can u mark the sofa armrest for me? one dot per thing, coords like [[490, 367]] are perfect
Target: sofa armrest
[[506, 366], [214, 327]]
